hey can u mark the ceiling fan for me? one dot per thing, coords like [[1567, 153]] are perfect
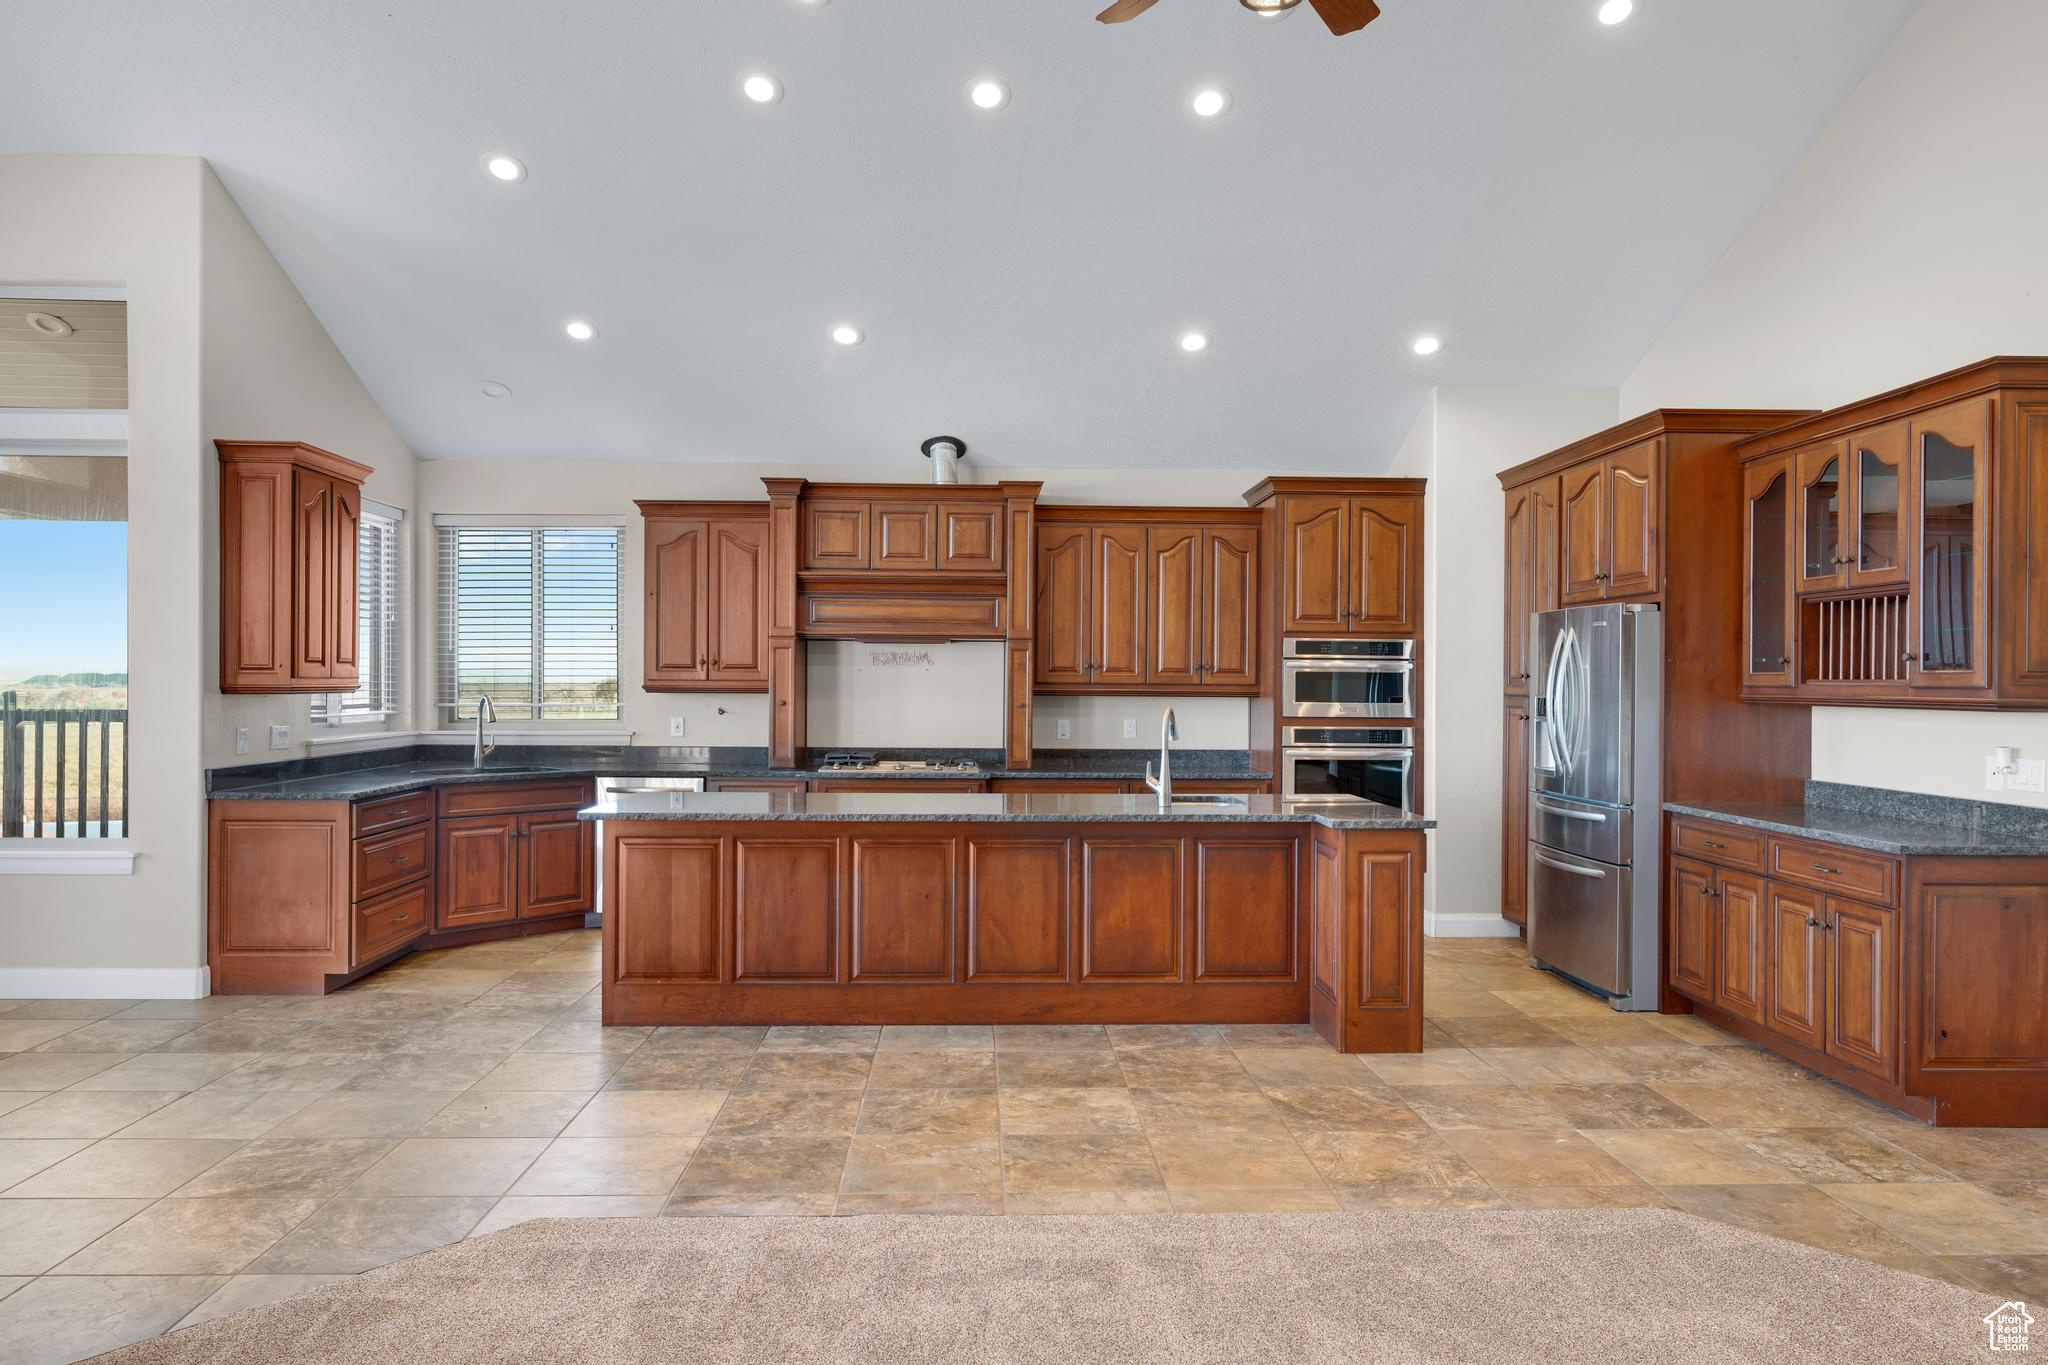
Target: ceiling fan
[[1343, 16]]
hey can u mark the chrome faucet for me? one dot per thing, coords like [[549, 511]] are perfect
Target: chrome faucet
[[484, 747], [1163, 782]]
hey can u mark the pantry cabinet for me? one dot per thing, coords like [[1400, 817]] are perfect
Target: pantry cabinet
[[1146, 600], [290, 516], [705, 570]]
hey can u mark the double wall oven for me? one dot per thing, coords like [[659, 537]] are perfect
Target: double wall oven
[[1345, 707]]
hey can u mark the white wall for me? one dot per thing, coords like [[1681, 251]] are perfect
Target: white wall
[[1906, 241], [269, 370], [219, 344], [957, 701], [1461, 440]]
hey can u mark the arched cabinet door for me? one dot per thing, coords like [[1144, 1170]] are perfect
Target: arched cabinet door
[[738, 624], [1230, 606], [1060, 615], [1632, 497], [1314, 535], [1386, 562], [678, 592], [1583, 533]]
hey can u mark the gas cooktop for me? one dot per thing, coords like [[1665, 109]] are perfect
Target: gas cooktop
[[871, 763]]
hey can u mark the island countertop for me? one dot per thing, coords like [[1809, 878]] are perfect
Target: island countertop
[[997, 808]]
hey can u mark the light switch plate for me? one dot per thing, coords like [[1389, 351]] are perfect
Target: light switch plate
[[1130, 728], [242, 740], [676, 725], [2032, 776], [280, 736], [1066, 728]]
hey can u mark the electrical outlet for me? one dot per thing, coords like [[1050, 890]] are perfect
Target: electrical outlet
[[280, 736], [675, 726], [2032, 776], [242, 740], [1130, 727], [1066, 728], [1994, 776]]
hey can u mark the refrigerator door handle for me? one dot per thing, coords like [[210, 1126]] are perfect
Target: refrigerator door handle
[[1595, 873], [1564, 814]]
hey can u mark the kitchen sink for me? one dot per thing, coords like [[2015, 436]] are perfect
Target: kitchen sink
[[1209, 803], [488, 770]]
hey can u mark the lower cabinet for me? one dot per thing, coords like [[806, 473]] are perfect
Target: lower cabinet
[[499, 868], [1514, 823]]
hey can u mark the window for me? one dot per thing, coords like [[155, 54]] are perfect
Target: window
[[529, 615], [63, 646], [377, 577]]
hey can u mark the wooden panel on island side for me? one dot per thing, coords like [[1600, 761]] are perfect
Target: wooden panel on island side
[[1033, 922]]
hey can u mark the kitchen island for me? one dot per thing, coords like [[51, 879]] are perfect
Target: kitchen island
[[955, 908]]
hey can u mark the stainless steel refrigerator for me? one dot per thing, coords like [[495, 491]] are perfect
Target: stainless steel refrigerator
[[1595, 799]]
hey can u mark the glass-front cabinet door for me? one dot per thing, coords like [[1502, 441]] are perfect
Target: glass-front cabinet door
[[1823, 497], [1950, 490], [1767, 559], [1878, 505]]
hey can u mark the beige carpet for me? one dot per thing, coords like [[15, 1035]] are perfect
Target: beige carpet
[[1629, 1285]]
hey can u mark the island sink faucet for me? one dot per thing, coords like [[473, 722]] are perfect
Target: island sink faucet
[[1163, 782], [484, 708]]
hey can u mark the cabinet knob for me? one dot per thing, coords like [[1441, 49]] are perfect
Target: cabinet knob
[[1812, 923]]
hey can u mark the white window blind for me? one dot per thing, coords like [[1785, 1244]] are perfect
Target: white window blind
[[377, 585], [529, 615]]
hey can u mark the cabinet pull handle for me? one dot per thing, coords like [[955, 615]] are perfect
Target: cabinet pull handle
[[400, 919], [1711, 844], [1831, 871], [399, 858], [1812, 923]]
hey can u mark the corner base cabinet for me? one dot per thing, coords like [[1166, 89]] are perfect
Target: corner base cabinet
[[305, 896], [1918, 981]]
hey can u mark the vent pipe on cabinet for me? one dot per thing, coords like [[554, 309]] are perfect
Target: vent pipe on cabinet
[[945, 453]]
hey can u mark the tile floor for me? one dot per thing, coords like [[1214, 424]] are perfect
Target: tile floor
[[164, 1162]]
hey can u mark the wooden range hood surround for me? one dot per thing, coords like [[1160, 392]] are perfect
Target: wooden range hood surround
[[886, 561]]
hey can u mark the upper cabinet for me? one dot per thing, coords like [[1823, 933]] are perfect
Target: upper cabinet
[[902, 534], [1611, 519], [1917, 547], [706, 590], [1350, 562], [1146, 600], [289, 518], [1531, 585]]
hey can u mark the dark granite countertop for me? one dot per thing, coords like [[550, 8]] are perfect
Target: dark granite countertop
[[390, 772], [1905, 824], [995, 808]]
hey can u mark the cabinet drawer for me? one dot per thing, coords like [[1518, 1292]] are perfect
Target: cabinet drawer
[[873, 785], [1063, 786], [384, 923], [374, 817], [755, 784], [904, 616], [1850, 872], [513, 796], [392, 860], [1727, 845]]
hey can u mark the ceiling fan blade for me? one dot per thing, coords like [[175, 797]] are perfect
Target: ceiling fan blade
[[1346, 16], [1124, 9]]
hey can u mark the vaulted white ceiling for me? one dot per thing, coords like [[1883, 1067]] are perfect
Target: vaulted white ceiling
[[1540, 190]]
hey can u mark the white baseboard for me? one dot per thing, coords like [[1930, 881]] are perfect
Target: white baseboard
[[1467, 926], [104, 983]]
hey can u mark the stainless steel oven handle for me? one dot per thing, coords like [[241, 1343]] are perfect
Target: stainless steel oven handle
[[1350, 665], [1347, 753], [1594, 816], [1594, 873]]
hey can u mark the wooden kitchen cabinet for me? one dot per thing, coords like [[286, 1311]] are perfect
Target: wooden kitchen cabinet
[[1531, 585], [1146, 600], [1918, 521], [1610, 518], [1351, 564], [1771, 606], [290, 515], [1914, 980], [706, 591], [513, 852], [1514, 821]]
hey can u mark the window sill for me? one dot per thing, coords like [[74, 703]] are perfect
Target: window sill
[[72, 858], [510, 733], [360, 734]]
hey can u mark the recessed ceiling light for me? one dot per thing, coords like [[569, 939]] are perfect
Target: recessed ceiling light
[[1614, 11], [1270, 9], [761, 89], [580, 330], [1426, 345], [1209, 101], [506, 168], [846, 334], [988, 93], [1192, 342], [493, 389], [49, 324]]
